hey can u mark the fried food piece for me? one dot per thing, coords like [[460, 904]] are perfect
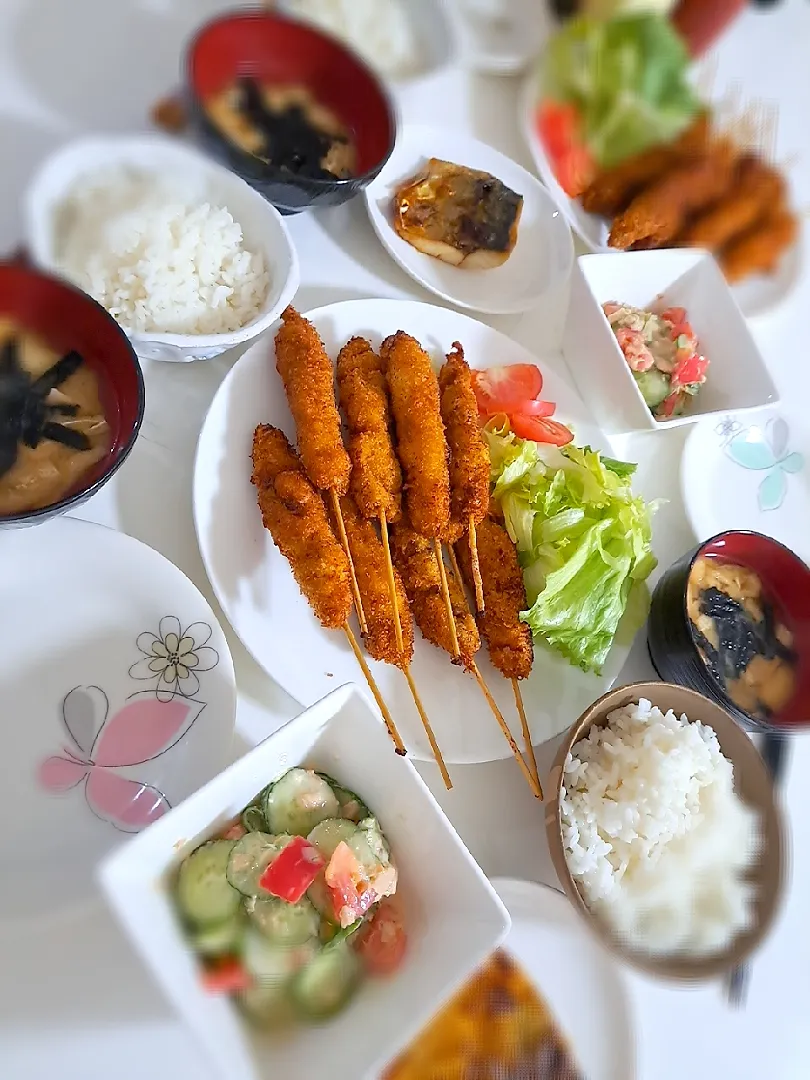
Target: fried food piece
[[421, 445], [170, 114], [509, 640], [414, 559], [612, 189], [758, 186], [657, 215], [370, 566], [306, 371], [759, 250], [294, 514], [462, 216], [376, 478], [469, 454]]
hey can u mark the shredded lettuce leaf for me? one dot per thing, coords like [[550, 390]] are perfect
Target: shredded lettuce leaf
[[583, 541], [628, 79]]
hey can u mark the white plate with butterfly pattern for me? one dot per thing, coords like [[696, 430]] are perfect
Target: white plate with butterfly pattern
[[119, 701], [750, 471]]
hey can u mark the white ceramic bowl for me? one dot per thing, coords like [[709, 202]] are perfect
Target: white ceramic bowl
[[262, 225], [737, 379], [452, 914]]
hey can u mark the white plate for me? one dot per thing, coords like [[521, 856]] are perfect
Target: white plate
[[757, 295], [579, 980], [501, 37], [750, 472], [538, 268], [254, 585], [97, 743]]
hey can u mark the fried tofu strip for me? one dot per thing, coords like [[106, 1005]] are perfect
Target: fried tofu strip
[[371, 569], [421, 444], [376, 478], [759, 250], [294, 514], [658, 214], [508, 640], [612, 189], [469, 454], [414, 559], [306, 371], [758, 186]]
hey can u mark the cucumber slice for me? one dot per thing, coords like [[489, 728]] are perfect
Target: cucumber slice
[[203, 892], [320, 897], [217, 939], [253, 819], [361, 846], [250, 858], [376, 840], [351, 806], [329, 833], [326, 985], [268, 1005], [274, 964], [283, 923], [298, 802]]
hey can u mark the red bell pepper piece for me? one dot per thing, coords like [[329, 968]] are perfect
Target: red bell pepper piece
[[292, 871]]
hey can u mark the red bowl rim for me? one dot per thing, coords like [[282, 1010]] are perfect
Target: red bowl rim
[[31, 517], [248, 159]]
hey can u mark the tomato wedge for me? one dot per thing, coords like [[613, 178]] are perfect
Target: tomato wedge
[[292, 871], [558, 127], [382, 944], [540, 429], [536, 408], [503, 389], [226, 976]]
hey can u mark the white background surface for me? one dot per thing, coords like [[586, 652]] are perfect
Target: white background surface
[[74, 1001]]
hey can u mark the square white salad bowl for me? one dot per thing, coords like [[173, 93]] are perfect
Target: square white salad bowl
[[452, 915], [737, 378]]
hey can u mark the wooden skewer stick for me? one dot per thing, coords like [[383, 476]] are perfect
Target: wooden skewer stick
[[476, 568], [496, 712], [344, 540], [372, 685], [527, 735], [448, 604], [392, 588], [434, 746]]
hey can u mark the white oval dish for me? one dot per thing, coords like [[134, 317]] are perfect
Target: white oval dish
[[107, 721], [258, 593], [539, 268], [576, 976], [262, 225]]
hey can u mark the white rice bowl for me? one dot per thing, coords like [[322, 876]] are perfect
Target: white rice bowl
[[654, 835]]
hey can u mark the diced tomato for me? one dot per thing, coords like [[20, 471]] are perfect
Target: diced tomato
[[540, 429], [352, 894], [502, 389], [636, 353], [382, 944], [292, 871], [668, 406], [235, 831], [674, 315], [558, 127], [226, 976], [692, 369]]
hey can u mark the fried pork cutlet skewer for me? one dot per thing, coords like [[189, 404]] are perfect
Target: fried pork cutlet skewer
[[509, 641], [758, 187], [306, 371], [421, 448], [469, 458], [376, 478], [381, 639], [658, 214], [759, 250], [417, 567], [295, 516]]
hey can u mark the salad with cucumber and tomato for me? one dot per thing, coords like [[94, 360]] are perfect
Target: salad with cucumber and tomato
[[290, 909], [584, 540]]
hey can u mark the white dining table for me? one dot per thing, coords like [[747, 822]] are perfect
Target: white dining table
[[75, 1001]]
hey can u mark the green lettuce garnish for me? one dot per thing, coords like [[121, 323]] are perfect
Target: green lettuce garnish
[[583, 540], [627, 78]]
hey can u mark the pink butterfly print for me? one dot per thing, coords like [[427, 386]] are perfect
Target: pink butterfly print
[[144, 729]]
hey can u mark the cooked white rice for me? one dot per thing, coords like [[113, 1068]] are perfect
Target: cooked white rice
[[157, 256], [380, 31], [654, 834]]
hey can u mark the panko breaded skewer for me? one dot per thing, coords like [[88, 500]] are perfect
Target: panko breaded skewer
[[376, 477], [420, 575], [469, 457], [421, 447], [758, 187], [381, 638], [508, 640], [295, 516], [759, 250], [308, 377]]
